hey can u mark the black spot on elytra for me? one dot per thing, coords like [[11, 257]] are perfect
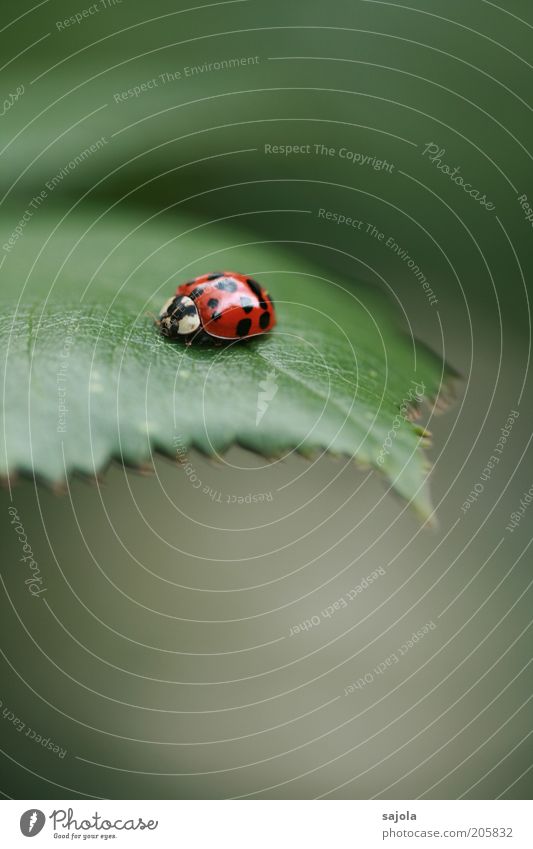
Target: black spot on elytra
[[215, 275], [255, 287], [212, 303], [243, 327], [215, 316], [258, 292], [264, 320], [246, 303], [227, 286]]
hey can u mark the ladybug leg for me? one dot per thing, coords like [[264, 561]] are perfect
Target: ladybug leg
[[196, 338]]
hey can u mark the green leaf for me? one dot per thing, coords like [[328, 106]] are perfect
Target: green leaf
[[87, 377]]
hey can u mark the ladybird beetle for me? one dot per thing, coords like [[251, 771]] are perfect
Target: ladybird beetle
[[224, 305]]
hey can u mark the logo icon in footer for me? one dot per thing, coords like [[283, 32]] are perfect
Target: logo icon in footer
[[32, 822]]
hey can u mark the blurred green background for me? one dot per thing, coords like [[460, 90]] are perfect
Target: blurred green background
[[161, 662]]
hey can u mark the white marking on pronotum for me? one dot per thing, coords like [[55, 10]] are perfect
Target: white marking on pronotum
[[189, 323], [165, 307]]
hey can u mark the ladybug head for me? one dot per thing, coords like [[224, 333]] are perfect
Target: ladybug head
[[179, 317]]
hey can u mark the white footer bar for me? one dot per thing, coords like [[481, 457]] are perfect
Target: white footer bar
[[267, 824]]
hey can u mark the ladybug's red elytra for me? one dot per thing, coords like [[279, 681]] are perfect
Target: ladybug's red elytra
[[223, 305]]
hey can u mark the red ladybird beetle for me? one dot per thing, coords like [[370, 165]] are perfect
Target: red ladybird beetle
[[223, 305]]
